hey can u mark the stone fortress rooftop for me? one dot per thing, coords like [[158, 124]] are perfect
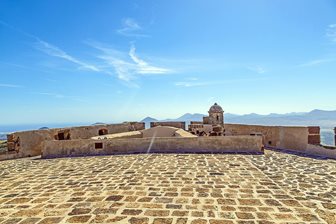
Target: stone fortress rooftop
[[169, 188], [211, 173]]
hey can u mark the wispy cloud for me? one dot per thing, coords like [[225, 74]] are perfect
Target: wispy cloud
[[60, 96], [51, 49], [56, 95], [331, 32], [143, 67], [257, 68], [127, 65], [57, 52], [24, 67], [193, 84], [331, 35], [3, 23], [10, 85], [131, 28], [192, 78], [207, 83], [317, 62]]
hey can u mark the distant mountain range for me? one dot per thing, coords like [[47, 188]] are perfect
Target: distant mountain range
[[322, 118], [325, 119]]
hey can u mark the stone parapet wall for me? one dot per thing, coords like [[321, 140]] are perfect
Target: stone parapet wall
[[89, 147], [273, 136], [175, 124], [329, 152], [30, 143], [196, 122]]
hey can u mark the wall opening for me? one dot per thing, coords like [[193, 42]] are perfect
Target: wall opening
[[217, 118], [60, 136], [98, 145], [63, 135], [103, 131], [270, 142], [18, 144]]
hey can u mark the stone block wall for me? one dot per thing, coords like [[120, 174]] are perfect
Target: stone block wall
[[273, 136], [293, 138], [89, 147], [271, 133], [175, 124], [196, 122], [206, 120], [314, 137], [30, 143]]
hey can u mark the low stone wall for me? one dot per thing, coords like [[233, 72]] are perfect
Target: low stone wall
[[129, 134], [30, 143], [273, 136], [293, 138], [329, 152], [311, 150], [89, 147], [175, 124]]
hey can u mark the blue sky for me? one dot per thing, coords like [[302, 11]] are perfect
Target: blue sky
[[110, 61]]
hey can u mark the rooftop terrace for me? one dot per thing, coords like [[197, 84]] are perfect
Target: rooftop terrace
[[169, 188]]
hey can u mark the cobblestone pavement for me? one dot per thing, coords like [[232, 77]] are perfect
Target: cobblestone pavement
[[169, 188]]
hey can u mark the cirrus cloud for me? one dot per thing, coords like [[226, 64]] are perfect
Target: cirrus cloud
[[131, 28], [331, 32]]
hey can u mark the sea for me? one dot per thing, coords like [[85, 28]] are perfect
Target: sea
[[327, 137]]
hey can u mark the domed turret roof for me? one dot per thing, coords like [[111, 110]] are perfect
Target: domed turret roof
[[216, 109]]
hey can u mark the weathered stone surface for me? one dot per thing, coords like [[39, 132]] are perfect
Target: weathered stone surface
[[131, 212], [114, 198], [134, 220], [169, 188], [80, 211], [79, 219], [163, 221]]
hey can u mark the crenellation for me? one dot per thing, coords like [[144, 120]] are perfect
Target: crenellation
[[314, 137]]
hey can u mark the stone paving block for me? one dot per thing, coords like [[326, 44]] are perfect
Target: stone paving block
[[135, 220], [163, 221], [79, 219]]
